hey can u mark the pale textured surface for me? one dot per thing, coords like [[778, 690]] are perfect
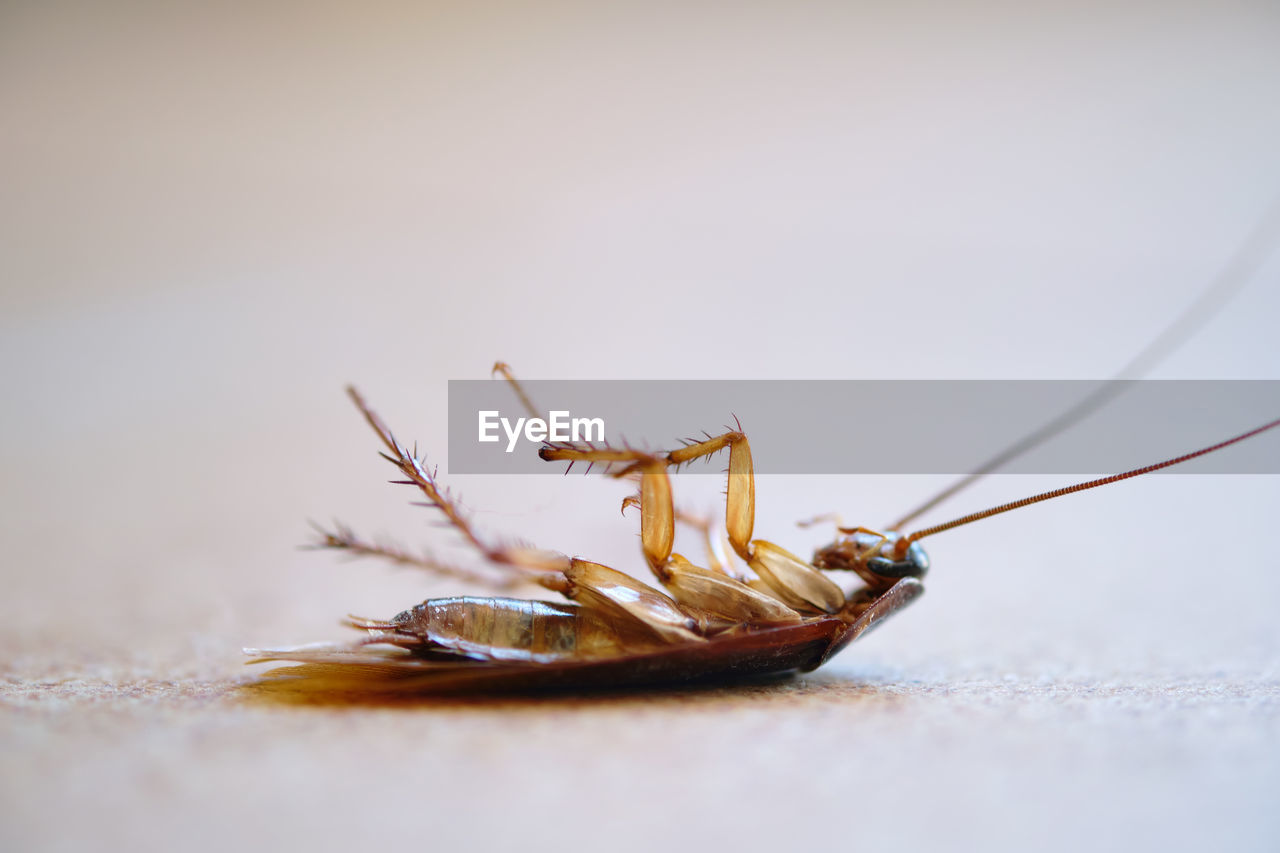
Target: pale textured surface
[[876, 758], [213, 219]]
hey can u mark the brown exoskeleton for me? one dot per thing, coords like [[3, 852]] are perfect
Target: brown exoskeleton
[[708, 622]]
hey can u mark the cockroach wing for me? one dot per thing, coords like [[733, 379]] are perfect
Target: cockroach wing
[[629, 600], [793, 580], [724, 596]]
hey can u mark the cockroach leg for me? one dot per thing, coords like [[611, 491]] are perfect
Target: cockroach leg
[[786, 577], [706, 530], [825, 518], [343, 538], [598, 584], [501, 367], [878, 539], [792, 580], [524, 560], [877, 543], [701, 523]]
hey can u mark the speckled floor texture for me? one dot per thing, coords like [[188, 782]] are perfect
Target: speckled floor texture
[[876, 757]]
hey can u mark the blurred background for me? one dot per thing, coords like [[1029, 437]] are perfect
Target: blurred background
[[213, 217]]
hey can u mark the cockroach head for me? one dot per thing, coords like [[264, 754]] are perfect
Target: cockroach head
[[872, 557]]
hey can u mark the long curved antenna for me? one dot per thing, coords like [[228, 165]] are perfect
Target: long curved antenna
[[1243, 265], [902, 544]]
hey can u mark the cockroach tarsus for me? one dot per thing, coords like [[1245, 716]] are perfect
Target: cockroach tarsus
[[717, 622]]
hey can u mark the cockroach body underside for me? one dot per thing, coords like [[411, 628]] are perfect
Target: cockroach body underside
[[717, 622]]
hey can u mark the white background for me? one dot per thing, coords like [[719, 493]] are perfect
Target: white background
[[213, 218]]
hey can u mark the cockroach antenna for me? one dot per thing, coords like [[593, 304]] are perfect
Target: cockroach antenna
[[1239, 269], [902, 544]]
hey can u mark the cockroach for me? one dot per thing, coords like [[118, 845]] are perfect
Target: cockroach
[[781, 615]]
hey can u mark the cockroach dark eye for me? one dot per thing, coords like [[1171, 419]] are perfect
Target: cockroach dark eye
[[914, 565], [917, 556]]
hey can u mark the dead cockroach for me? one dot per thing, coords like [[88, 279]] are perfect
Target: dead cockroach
[[707, 623]]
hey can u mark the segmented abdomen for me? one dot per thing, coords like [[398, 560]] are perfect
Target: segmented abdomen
[[513, 629]]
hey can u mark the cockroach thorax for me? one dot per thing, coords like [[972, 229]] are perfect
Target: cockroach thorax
[[872, 558]]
